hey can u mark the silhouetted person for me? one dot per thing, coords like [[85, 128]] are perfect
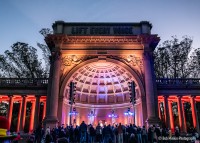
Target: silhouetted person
[[83, 130]]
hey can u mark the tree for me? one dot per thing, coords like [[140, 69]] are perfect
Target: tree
[[172, 60], [22, 62], [195, 63], [46, 53], [161, 62]]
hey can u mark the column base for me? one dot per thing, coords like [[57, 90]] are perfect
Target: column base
[[50, 122], [153, 121]]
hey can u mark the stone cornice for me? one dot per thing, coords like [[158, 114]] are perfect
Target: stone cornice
[[106, 42]]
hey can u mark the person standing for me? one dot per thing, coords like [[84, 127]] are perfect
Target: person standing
[[76, 134], [38, 134], [99, 133], [107, 133], [115, 131], [144, 135], [83, 130], [150, 134], [92, 134], [120, 133]]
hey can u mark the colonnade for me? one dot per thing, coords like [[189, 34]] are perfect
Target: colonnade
[[168, 111], [22, 100]]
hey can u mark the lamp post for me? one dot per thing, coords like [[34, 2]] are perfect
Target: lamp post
[[132, 97], [129, 114], [91, 117], [113, 116], [71, 99], [73, 113]]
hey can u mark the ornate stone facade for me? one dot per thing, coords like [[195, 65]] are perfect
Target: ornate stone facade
[[102, 58]]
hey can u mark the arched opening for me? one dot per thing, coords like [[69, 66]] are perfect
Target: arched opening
[[102, 93]]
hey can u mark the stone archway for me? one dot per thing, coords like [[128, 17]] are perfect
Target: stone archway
[[102, 86], [73, 43]]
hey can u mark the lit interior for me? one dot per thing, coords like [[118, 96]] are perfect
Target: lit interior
[[102, 82]]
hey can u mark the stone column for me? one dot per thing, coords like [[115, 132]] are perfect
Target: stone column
[[171, 116], [10, 111], [193, 106], [44, 110], [23, 114], [19, 116], [60, 110], [197, 121], [159, 113], [181, 116], [184, 119], [53, 90], [151, 96], [37, 112], [32, 116], [166, 106], [144, 109]]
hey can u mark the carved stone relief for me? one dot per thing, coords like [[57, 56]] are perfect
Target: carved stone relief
[[133, 61], [70, 61]]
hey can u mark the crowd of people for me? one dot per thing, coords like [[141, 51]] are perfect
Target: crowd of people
[[117, 133]]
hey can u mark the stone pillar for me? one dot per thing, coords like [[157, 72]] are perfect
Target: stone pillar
[[32, 116], [60, 110], [19, 116], [23, 114], [151, 96], [184, 119], [194, 114], [171, 116], [159, 113], [181, 116], [37, 112], [144, 109], [195, 108], [53, 91], [44, 110], [10, 111], [166, 106]]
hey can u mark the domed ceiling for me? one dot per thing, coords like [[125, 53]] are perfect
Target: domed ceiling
[[102, 83]]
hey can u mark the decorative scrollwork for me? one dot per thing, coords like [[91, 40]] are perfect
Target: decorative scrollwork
[[71, 59], [75, 60], [131, 60]]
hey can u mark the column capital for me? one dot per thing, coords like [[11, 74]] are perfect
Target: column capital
[[56, 55], [37, 97], [166, 96], [10, 95], [192, 96], [147, 55], [24, 95], [179, 97]]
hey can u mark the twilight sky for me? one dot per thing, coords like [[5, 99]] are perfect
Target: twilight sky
[[21, 20]]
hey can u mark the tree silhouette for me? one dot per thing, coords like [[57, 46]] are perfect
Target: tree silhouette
[[172, 59], [22, 61]]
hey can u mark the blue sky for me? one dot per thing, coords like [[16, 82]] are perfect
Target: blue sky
[[21, 20]]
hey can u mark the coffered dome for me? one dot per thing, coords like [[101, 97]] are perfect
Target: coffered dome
[[102, 82]]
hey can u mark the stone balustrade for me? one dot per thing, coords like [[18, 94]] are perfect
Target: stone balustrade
[[178, 82], [23, 81]]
